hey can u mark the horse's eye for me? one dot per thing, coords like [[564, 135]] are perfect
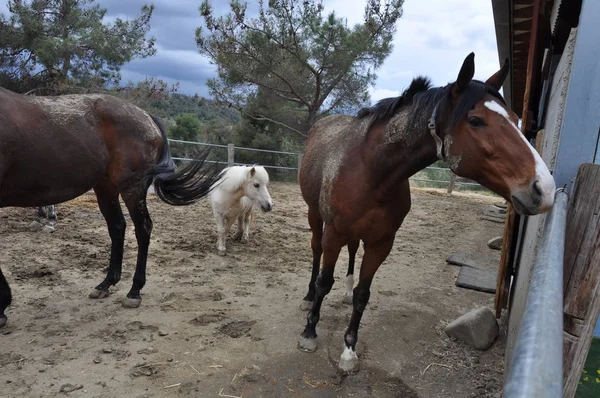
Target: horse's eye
[[256, 185], [474, 121]]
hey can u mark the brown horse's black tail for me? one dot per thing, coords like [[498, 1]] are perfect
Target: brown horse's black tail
[[186, 185]]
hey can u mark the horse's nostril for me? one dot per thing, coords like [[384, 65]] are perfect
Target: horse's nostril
[[537, 188], [536, 192]]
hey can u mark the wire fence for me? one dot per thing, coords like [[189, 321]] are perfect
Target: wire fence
[[284, 165]]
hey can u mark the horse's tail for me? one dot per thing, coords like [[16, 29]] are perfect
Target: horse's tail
[[186, 185]]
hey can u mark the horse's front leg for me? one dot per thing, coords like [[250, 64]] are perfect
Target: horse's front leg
[[246, 225], [239, 235], [332, 245], [374, 255], [5, 298]]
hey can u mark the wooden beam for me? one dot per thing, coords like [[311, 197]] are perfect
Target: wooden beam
[[531, 73], [524, 26], [504, 271], [581, 274], [525, 12]]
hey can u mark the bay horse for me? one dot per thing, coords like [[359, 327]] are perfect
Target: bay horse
[[355, 170], [237, 192], [54, 149]]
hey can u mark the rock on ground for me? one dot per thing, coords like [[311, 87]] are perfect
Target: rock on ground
[[478, 328], [495, 243]]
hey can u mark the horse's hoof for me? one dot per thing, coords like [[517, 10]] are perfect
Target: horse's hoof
[[306, 305], [347, 299], [349, 361], [243, 240], [237, 237], [132, 302], [2, 321], [35, 225], [307, 345], [48, 229], [222, 252], [98, 294]]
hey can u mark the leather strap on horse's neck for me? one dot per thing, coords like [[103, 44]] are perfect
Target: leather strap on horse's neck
[[432, 130]]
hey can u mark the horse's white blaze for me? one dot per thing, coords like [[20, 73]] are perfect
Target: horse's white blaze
[[349, 354], [543, 176], [349, 285]]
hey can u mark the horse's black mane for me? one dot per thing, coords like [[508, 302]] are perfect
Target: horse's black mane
[[387, 107], [423, 98]]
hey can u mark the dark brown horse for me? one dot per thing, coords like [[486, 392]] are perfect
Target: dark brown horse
[[354, 176], [53, 149]]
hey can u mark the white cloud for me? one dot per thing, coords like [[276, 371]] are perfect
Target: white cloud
[[381, 93], [433, 37]]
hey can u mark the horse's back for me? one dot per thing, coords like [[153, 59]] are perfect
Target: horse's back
[[53, 149], [330, 139]]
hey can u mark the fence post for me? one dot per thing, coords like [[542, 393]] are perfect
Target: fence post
[[230, 155], [451, 183]]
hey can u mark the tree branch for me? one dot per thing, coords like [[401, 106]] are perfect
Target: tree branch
[[267, 119]]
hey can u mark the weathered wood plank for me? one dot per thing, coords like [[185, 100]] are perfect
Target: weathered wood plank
[[499, 220], [471, 260], [479, 279], [503, 279], [581, 274]]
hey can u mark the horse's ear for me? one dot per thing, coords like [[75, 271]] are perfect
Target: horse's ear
[[252, 172], [467, 71], [497, 79]]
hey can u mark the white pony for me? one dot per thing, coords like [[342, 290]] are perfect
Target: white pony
[[234, 196]]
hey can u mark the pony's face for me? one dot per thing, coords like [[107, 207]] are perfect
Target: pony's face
[[487, 146], [256, 188]]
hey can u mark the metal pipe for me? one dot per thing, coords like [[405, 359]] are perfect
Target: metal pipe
[[537, 367]]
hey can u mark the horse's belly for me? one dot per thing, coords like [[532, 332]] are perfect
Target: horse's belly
[[40, 182]]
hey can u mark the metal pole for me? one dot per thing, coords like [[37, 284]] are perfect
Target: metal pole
[[537, 367], [230, 155]]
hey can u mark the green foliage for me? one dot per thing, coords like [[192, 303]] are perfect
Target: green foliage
[[187, 127], [59, 46], [204, 109], [308, 61]]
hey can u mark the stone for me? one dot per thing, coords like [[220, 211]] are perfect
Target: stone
[[478, 328], [495, 243]]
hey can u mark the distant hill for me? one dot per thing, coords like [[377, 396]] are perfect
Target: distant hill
[[205, 109]]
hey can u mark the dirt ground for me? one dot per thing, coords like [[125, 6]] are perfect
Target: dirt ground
[[214, 326]]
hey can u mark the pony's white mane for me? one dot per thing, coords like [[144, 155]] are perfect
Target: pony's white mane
[[233, 178]]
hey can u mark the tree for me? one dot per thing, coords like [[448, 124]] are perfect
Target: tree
[[58, 44], [187, 127], [308, 61]]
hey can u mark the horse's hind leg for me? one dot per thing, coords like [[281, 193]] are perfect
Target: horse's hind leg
[[136, 204], [108, 201], [316, 226], [374, 255], [51, 219], [5, 298], [223, 226], [38, 223], [332, 245], [352, 249]]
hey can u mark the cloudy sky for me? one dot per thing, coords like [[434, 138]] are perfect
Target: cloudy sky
[[433, 37]]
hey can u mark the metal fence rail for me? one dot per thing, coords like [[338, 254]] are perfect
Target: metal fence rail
[[451, 183], [537, 367]]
